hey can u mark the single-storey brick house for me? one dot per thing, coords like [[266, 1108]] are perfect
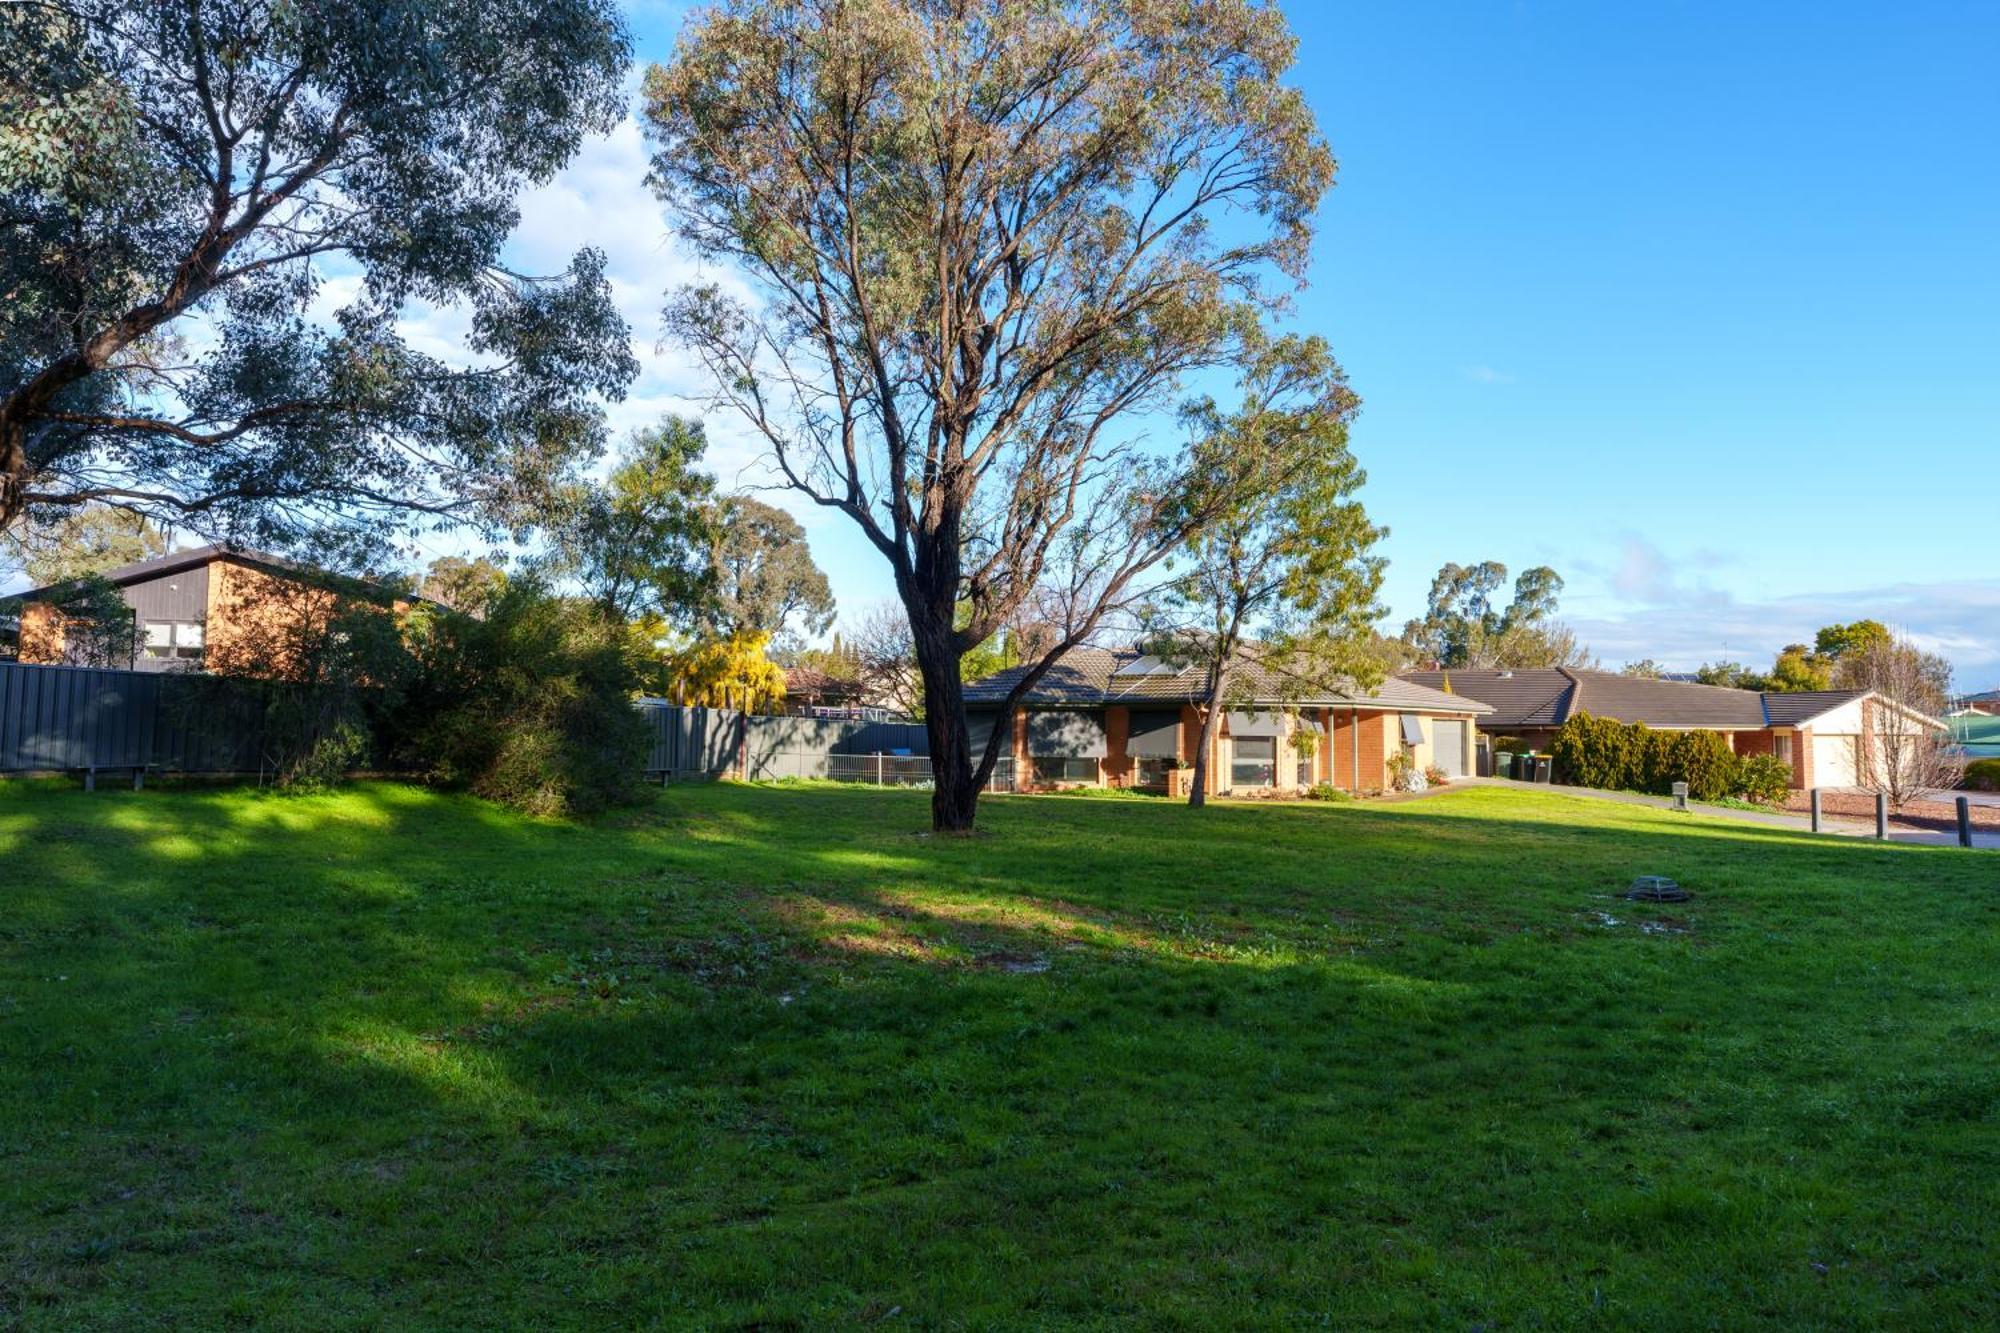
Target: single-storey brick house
[[1103, 717], [210, 608], [1818, 732]]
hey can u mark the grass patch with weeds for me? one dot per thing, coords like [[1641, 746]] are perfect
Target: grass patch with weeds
[[757, 1056]]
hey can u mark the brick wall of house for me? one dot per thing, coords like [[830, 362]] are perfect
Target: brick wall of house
[[1802, 758], [1116, 768], [258, 623], [1747, 743], [1375, 750]]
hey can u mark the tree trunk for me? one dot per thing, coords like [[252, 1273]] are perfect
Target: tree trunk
[[954, 794], [1211, 725]]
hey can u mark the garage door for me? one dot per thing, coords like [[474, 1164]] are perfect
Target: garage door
[[1448, 747], [1833, 761]]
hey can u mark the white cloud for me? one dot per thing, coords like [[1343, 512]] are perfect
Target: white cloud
[[1958, 618], [1486, 375]]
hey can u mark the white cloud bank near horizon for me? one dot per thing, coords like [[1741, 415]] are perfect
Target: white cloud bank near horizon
[[1677, 612]]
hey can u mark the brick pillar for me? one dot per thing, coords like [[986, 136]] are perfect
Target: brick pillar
[[1117, 767]]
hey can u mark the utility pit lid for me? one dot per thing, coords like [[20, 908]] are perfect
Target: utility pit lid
[[1656, 889]]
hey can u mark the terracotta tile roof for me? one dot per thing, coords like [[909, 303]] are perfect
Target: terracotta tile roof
[[1095, 676]]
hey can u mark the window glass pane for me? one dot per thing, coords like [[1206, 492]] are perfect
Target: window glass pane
[[158, 633], [187, 636], [1254, 762], [1064, 768]]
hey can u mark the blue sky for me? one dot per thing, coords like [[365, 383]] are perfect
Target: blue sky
[[1698, 303]]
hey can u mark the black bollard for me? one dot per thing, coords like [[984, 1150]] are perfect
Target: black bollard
[[1815, 810], [1881, 815], [1964, 822]]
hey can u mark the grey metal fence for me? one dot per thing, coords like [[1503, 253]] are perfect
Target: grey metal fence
[[69, 718], [715, 742], [692, 742], [56, 717]]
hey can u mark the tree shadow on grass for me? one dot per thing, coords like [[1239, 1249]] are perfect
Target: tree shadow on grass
[[772, 1054]]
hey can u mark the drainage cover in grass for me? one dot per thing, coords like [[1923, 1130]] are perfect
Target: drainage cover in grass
[[1656, 889]]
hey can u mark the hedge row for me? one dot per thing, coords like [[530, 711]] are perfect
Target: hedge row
[[1599, 752]]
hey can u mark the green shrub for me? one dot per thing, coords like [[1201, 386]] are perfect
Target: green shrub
[[1983, 775], [1704, 761], [1326, 791], [1765, 779], [530, 706], [1598, 752]]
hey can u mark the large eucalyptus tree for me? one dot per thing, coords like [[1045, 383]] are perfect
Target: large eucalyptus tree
[[180, 180], [986, 243]]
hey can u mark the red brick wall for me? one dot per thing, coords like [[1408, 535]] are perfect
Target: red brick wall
[[1802, 758], [1747, 743], [1375, 750], [1116, 768]]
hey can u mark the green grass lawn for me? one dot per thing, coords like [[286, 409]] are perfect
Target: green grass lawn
[[774, 1057]]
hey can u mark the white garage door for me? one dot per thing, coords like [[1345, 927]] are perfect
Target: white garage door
[[1448, 747], [1833, 761]]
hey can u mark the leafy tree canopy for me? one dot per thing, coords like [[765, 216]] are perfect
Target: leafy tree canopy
[[1838, 642], [637, 543], [469, 585], [727, 672], [1462, 625], [85, 541], [764, 578], [174, 180]]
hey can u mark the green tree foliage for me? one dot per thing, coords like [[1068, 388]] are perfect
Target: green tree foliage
[[99, 629], [166, 167], [984, 238], [90, 540], [1293, 557], [1731, 675], [727, 672], [1644, 669], [637, 543], [530, 705], [464, 585], [1798, 668], [1837, 643], [1463, 627], [763, 574]]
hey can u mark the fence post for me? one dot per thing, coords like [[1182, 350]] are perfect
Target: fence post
[[1964, 821], [878, 768], [1881, 816], [1815, 810]]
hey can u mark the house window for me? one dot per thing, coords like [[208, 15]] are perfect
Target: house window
[[1254, 762], [1153, 772], [1781, 745], [1064, 768], [1305, 770], [179, 640]]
